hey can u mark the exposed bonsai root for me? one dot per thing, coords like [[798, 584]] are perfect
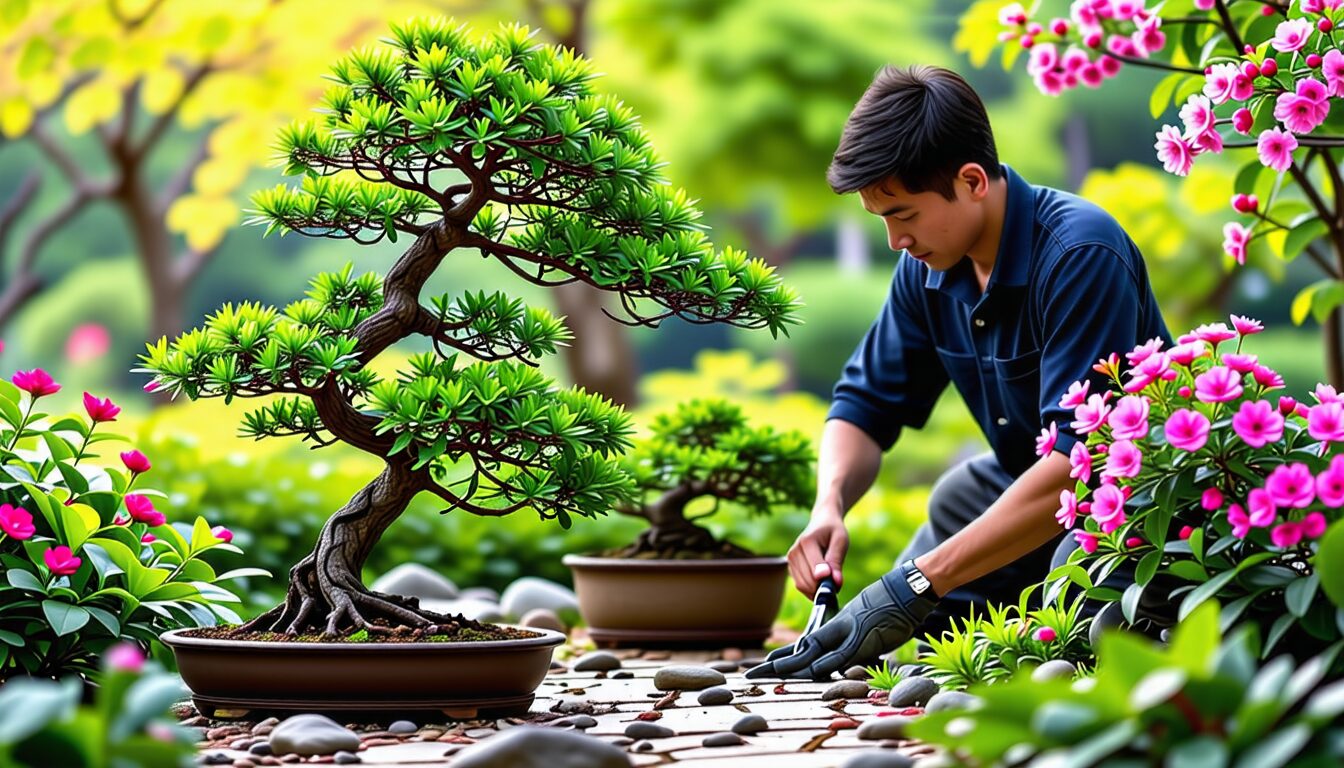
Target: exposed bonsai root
[[679, 543]]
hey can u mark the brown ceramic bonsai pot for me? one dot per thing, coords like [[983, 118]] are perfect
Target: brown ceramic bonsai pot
[[462, 680], [684, 603]]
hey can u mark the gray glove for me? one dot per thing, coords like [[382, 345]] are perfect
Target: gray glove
[[881, 617]]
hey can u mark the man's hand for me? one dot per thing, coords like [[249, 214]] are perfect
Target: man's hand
[[819, 551], [881, 617]]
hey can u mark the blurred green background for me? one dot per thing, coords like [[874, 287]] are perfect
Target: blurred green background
[[134, 131]]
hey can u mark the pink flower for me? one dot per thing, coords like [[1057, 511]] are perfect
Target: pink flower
[[1211, 499], [142, 510], [148, 538], [1235, 239], [1326, 421], [1298, 113], [1198, 117], [1239, 362], [1129, 420], [1325, 393], [1123, 460], [16, 522], [1067, 514], [1076, 395], [1185, 532], [1175, 153], [125, 657], [1086, 541], [1215, 333], [1291, 485], [1045, 635], [1218, 385], [1287, 405], [1149, 38], [61, 561], [135, 461], [1219, 82], [1090, 416], [1329, 484], [1187, 429], [1313, 525], [1044, 57], [1267, 377], [1188, 352], [1241, 524], [1275, 148], [1080, 462], [1205, 5], [1258, 423], [1291, 35], [100, 409], [1143, 351], [1333, 67], [222, 533], [36, 382], [1262, 507], [89, 341], [1045, 442], [1108, 508], [1012, 14], [1242, 120]]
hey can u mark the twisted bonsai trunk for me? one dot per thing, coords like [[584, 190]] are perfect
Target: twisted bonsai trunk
[[671, 535]]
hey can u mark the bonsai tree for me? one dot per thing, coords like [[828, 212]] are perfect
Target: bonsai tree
[[706, 450], [491, 148]]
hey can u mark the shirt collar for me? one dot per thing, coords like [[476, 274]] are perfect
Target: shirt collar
[[1012, 262]]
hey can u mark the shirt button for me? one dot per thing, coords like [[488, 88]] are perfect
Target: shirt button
[[1003, 421], [979, 323]]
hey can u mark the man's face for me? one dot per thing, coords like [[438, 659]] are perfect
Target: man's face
[[931, 228]]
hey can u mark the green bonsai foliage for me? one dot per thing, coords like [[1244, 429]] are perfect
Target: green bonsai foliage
[[494, 147], [705, 449]]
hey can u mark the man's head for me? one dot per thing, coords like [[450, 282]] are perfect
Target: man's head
[[919, 150]]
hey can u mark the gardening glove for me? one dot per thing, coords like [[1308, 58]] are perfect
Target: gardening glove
[[881, 617]]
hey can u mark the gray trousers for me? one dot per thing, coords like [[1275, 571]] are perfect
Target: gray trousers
[[960, 496]]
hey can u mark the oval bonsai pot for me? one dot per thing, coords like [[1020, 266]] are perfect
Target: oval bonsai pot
[[462, 680], [684, 603]]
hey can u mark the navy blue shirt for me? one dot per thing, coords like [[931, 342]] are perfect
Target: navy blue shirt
[[1068, 288]]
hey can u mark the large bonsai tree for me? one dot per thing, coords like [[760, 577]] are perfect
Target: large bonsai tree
[[494, 147], [706, 450]]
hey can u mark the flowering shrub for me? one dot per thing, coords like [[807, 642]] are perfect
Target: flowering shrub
[[1193, 472], [84, 561]]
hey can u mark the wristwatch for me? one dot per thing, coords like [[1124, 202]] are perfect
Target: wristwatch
[[919, 583]]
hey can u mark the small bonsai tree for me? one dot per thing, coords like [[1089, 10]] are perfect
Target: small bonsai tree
[[706, 450], [494, 147]]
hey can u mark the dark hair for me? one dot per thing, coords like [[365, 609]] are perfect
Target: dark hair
[[918, 125]]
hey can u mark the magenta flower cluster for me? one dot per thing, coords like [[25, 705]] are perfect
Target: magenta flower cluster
[[1087, 48], [1208, 401]]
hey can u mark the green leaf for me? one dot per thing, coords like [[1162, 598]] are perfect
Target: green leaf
[[64, 617], [29, 704], [1162, 94], [148, 698], [79, 522], [1203, 592], [1300, 593], [1330, 563], [24, 580], [1302, 235], [73, 479], [1277, 748], [1199, 752]]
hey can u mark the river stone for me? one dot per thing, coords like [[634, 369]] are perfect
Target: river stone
[[642, 729], [541, 618], [402, 727], [686, 678], [1055, 669], [751, 724], [857, 673], [889, 727], [578, 721], [879, 758], [485, 594], [415, 580], [912, 692], [532, 747], [952, 700], [711, 697], [724, 666], [346, 758], [728, 739], [846, 689], [309, 735], [597, 661], [530, 592]]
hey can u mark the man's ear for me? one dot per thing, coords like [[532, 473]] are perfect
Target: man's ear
[[976, 179]]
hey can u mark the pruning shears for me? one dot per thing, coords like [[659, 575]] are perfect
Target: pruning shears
[[824, 606]]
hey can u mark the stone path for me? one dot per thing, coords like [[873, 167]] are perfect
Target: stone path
[[804, 731]]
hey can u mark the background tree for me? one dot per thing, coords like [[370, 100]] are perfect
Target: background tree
[[497, 147]]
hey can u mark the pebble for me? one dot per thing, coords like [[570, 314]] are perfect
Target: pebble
[[622, 741], [597, 661], [242, 744], [312, 735], [346, 758], [657, 655], [879, 759], [842, 724], [380, 742], [750, 724], [1055, 669], [952, 700], [402, 727], [732, 654], [270, 760], [530, 592], [543, 618], [728, 739], [878, 728], [686, 678], [261, 748], [846, 689], [415, 580], [723, 666], [243, 762], [291, 758], [912, 692], [216, 758], [623, 675], [578, 721], [223, 732], [430, 734], [532, 747], [856, 673], [711, 697], [643, 746], [645, 730]]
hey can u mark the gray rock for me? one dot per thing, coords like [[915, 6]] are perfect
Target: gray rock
[[484, 594], [578, 721], [686, 678], [597, 661], [542, 618], [715, 696], [1110, 617], [643, 746], [846, 689], [1055, 669], [621, 675], [415, 580], [856, 672], [346, 758], [309, 735], [724, 666], [889, 727], [401, 727], [532, 747], [952, 700], [530, 592], [642, 729], [912, 692], [217, 758], [879, 758], [750, 724], [728, 739], [260, 749]]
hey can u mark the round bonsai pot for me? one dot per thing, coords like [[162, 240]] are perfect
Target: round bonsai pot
[[462, 680], [682, 603]]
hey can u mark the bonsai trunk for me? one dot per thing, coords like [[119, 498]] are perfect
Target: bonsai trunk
[[326, 593], [671, 535]]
